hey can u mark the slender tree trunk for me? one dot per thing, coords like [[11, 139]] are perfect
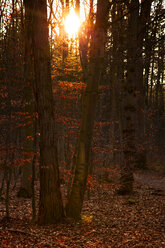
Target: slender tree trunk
[[33, 169], [25, 190], [129, 104], [7, 198], [140, 129], [78, 7], [117, 75], [84, 40], [9, 150], [75, 200], [148, 50], [50, 203], [65, 12]]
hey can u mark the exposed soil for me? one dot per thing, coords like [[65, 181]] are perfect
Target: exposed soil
[[108, 220]]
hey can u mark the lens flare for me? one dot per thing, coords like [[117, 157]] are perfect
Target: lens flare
[[72, 24]]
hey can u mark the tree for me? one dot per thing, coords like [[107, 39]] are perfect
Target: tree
[[129, 108], [50, 203], [75, 201], [116, 67], [143, 20], [133, 97], [26, 188], [10, 64]]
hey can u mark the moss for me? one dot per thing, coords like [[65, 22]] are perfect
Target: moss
[[131, 201], [2, 197]]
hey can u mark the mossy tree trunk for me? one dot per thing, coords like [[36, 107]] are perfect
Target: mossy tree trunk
[[75, 200]]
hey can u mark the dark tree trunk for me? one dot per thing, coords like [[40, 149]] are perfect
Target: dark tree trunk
[[140, 128], [117, 76], [25, 190], [129, 104], [75, 201], [50, 204]]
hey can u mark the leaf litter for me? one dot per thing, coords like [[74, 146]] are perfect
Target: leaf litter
[[108, 220]]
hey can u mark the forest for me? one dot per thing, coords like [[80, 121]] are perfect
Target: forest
[[82, 123]]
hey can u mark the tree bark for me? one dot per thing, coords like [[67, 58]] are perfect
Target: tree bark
[[129, 104], [50, 203], [75, 200], [25, 190], [117, 77], [140, 129]]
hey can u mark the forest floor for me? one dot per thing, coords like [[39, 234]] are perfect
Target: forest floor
[[108, 220]]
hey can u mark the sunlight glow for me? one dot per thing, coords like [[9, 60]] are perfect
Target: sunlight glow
[[72, 24]]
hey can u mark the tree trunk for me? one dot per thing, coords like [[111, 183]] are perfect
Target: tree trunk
[[75, 200], [50, 203], [85, 33], [140, 129], [25, 190], [129, 104], [117, 76]]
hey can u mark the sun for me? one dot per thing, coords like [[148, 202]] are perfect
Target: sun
[[72, 24]]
